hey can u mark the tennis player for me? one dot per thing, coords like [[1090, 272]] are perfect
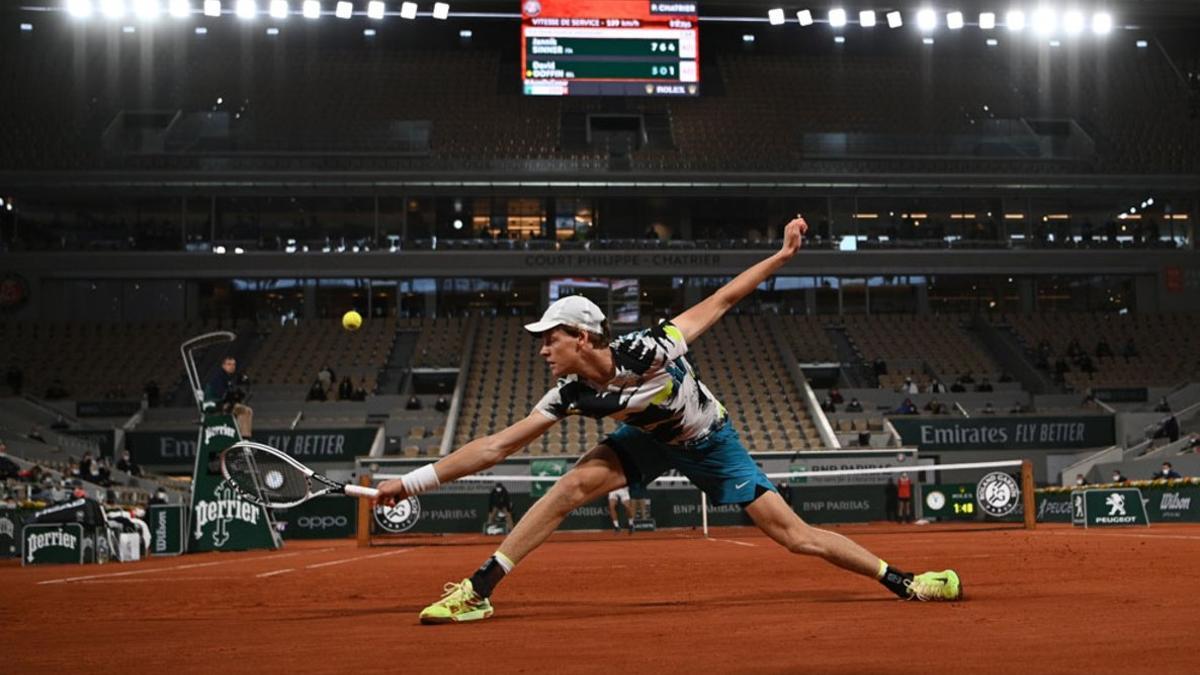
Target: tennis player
[[669, 420]]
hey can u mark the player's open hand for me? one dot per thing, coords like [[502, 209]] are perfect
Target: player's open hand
[[390, 492], [793, 236]]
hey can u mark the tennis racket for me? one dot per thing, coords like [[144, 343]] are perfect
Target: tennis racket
[[269, 477]]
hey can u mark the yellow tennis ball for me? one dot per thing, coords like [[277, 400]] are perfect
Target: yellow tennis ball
[[352, 320]]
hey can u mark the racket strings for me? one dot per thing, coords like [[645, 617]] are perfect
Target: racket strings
[[265, 478]]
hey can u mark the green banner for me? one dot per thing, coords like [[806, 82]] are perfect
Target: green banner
[[52, 543], [444, 512], [178, 448], [548, 468], [321, 518], [1108, 507], [220, 519], [1005, 433], [166, 528], [1122, 394], [1178, 505], [10, 531]]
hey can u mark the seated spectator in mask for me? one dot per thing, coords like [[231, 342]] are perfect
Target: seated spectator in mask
[[854, 406]]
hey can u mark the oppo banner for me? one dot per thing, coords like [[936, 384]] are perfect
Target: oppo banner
[[321, 518], [1006, 433], [178, 448]]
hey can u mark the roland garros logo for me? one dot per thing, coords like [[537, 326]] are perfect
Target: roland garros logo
[[998, 494], [398, 518]]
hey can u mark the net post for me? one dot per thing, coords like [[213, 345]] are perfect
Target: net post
[[704, 512], [1027, 494], [364, 515]]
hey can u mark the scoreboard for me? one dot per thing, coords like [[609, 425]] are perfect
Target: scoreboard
[[609, 48]]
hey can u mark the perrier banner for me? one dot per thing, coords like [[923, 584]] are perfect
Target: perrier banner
[[220, 519]]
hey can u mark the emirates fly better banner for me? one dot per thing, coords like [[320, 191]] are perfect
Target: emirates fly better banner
[[1006, 433]]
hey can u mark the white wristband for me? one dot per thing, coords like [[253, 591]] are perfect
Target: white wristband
[[420, 480]]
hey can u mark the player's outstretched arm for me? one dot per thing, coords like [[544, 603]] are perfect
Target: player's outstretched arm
[[695, 321], [475, 456]]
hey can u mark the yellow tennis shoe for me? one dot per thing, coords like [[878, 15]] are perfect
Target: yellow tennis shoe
[[459, 603], [935, 586]]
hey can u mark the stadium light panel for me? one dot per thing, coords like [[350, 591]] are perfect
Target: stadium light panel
[[926, 20], [987, 20], [179, 9], [128, 30], [311, 9], [147, 10], [747, 37], [954, 20], [212, 7], [1045, 21], [1015, 20], [201, 30], [1055, 43], [1073, 22], [775, 16], [895, 19], [866, 18], [25, 28], [804, 16], [840, 39], [1142, 44], [279, 9], [369, 32], [80, 9], [1102, 23], [927, 40], [343, 10], [272, 31], [837, 17], [441, 10], [246, 9], [992, 42], [112, 9], [408, 10], [375, 9], [466, 34]]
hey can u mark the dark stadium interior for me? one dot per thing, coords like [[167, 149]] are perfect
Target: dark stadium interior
[[1002, 230]]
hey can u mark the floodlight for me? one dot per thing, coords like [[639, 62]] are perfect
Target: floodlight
[[804, 16], [246, 9], [112, 9], [954, 20], [1102, 23], [866, 18], [408, 10], [927, 20], [775, 16], [343, 10], [212, 7], [180, 9], [837, 17], [279, 9], [1073, 22], [1045, 20], [987, 20], [80, 9], [1015, 20], [895, 20], [375, 9], [147, 10], [441, 10], [311, 9]]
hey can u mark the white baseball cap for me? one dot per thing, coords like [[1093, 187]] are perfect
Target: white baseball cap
[[573, 310]]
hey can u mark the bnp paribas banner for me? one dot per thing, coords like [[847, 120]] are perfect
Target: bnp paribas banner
[[178, 448], [1006, 433], [220, 519]]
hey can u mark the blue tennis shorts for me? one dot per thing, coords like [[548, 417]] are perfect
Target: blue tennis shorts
[[718, 464]]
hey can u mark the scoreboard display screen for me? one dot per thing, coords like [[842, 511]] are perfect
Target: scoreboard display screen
[[609, 48]]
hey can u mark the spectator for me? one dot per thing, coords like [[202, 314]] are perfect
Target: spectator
[[1129, 350], [904, 493], [153, 395], [442, 404], [345, 389], [880, 366], [1103, 350], [1074, 349], [906, 408], [1169, 429], [967, 378], [225, 394], [499, 502], [910, 387], [836, 396], [414, 403], [890, 507], [854, 405], [1118, 477], [984, 386], [35, 434], [1005, 377], [56, 391], [1080, 481], [828, 406], [316, 392], [326, 377], [127, 464], [958, 387], [160, 496], [58, 424], [1018, 408], [79, 492], [360, 392], [935, 407], [1168, 472], [988, 409], [864, 439], [1163, 406], [15, 379], [937, 387]]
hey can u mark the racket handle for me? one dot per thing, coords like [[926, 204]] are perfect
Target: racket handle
[[360, 491]]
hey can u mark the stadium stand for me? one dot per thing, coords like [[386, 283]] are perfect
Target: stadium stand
[[920, 347], [293, 354], [440, 342], [807, 338]]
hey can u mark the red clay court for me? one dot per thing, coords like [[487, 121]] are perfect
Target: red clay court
[[1055, 599]]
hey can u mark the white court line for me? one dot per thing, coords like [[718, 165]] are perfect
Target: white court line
[[1119, 534], [273, 573], [732, 541], [156, 570], [361, 557]]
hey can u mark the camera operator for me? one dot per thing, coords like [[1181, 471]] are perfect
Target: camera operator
[[226, 394]]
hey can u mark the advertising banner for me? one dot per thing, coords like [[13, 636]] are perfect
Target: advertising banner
[[220, 520], [310, 446], [1005, 433], [166, 528]]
